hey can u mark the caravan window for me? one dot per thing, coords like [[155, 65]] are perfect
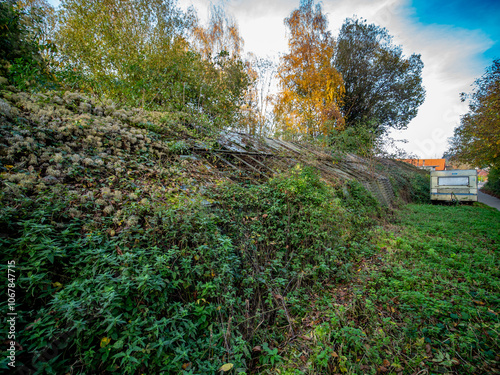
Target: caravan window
[[453, 181]]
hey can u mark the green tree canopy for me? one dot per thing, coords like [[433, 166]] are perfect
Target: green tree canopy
[[476, 140], [117, 41], [138, 52], [383, 88], [15, 39]]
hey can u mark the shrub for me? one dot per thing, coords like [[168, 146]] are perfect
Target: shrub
[[182, 287]]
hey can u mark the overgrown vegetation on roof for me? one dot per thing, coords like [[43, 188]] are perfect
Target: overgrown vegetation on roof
[[165, 242], [147, 257]]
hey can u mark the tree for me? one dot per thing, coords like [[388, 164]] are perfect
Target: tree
[[256, 114], [138, 52], [23, 31], [476, 140], [116, 41], [311, 88], [383, 89], [220, 37], [220, 44]]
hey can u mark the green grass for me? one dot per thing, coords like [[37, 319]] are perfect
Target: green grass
[[427, 302]]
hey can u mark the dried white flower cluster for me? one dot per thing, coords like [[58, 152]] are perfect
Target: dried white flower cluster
[[100, 202], [106, 192], [74, 139], [74, 212], [132, 221], [118, 196]]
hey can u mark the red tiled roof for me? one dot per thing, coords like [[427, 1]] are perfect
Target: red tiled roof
[[439, 164]]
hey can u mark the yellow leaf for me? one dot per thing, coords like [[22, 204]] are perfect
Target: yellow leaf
[[105, 341], [226, 367]]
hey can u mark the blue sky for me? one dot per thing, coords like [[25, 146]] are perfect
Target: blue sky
[[457, 40], [483, 15]]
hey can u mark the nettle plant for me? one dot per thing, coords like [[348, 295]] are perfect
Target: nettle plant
[[179, 286], [139, 274], [137, 301]]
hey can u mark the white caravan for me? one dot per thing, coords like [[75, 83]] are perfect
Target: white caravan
[[454, 185]]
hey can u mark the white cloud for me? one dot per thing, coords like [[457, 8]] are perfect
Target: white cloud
[[451, 55], [452, 61]]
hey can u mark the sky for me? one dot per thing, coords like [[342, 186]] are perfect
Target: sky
[[457, 41]]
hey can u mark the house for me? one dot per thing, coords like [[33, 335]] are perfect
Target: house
[[482, 175], [428, 164]]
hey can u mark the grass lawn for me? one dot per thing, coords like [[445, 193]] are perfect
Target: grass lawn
[[425, 300]]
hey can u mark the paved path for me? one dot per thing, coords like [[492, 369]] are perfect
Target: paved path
[[489, 200]]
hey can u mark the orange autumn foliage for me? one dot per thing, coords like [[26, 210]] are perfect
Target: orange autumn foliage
[[311, 88]]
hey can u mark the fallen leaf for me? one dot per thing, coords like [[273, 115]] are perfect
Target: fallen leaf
[[257, 348], [386, 363], [428, 348], [226, 367], [277, 296], [105, 341]]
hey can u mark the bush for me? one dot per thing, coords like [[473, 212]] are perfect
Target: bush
[[493, 184], [178, 287]]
